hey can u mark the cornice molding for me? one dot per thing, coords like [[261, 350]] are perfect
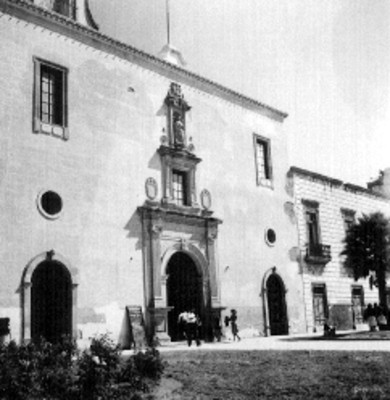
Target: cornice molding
[[155, 211], [29, 12], [314, 175], [349, 187]]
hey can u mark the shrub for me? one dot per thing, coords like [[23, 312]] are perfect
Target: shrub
[[41, 370], [37, 370], [149, 364]]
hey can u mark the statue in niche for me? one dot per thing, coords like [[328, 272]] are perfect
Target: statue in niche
[[176, 115], [178, 130]]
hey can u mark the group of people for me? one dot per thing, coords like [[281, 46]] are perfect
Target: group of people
[[190, 325], [376, 317]]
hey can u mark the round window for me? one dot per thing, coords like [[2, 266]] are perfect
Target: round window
[[50, 204], [270, 236]]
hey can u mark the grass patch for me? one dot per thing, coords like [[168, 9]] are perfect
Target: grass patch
[[220, 375]]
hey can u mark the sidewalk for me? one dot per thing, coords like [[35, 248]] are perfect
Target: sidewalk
[[344, 341]]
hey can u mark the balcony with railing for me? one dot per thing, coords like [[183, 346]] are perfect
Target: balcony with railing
[[318, 253]]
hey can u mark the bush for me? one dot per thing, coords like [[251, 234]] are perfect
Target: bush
[[42, 370]]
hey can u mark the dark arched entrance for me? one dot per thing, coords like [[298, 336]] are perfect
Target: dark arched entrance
[[51, 301], [184, 291], [277, 310]]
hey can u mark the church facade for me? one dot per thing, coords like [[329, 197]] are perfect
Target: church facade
[[133, 189]]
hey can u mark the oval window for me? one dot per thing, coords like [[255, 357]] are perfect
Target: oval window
[[270, 236], [50, 204]]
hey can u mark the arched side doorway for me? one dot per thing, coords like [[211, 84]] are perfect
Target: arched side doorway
[[275, 304], [184, 291], [49, 298], [51, 301]]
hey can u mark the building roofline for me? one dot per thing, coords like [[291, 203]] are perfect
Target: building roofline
[[58, 23], [306, 173], [335, 182]]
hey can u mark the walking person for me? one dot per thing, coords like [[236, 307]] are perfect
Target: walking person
[[182, 321], [233, 324], [191, 326], [370, 318], [381, 318]]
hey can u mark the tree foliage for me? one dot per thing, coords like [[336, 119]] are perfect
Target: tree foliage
[[367, 249]]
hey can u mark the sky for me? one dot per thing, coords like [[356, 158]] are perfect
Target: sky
[[326, 63]]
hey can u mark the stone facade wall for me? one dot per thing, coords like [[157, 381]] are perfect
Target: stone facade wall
[[332, 197], [116, 119]]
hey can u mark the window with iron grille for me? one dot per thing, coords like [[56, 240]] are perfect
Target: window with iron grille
[[312, 226], [179, 187], [50, 109], [263, 161], [51, 86]]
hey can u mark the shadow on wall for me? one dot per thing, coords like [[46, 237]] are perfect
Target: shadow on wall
[[155, 162], [315, 270], [134, 229]]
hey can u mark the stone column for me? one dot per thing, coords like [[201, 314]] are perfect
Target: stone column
[[156, 229], [74, 311], [212, 234], [26, 317]]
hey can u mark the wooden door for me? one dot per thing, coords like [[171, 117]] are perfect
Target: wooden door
[[320, 306], [357, 305], [184, 288], [51, 302], [277, 309]]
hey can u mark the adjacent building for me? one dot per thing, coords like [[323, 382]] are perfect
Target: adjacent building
[[325, 208]]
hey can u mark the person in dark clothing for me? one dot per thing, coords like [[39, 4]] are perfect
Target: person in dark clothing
[[182, 324], [233, 323], [369, 316], [191, 326], [217, 329]]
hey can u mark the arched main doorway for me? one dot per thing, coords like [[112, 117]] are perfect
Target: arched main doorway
[[184, 291], [277, 310], [51, 301]]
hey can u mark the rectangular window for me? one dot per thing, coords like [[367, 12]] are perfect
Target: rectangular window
[[50, 94], [263, 161], [179, 187], [357, 304], [320, 304], [64, 7], [312, 225], [348, 218]]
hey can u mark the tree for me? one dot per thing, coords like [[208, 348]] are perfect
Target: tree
[[367, 250]]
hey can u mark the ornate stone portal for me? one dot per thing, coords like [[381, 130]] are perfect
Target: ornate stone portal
[[176, 224]]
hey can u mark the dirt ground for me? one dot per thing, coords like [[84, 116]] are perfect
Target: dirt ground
[[236, 374]]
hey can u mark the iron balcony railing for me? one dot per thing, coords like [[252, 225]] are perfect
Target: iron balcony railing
[[318, 253]]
